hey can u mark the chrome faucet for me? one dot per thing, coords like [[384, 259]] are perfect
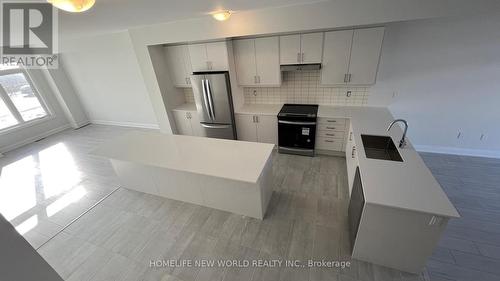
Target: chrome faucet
[[402, 142]]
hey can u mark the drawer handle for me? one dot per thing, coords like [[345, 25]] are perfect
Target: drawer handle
[[331, 121], [329, 141], [331, 128], [331, 135]]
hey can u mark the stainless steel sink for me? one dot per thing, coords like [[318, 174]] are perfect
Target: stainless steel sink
[[380, 147]]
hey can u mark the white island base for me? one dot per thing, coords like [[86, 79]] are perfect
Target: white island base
[[227, 175]]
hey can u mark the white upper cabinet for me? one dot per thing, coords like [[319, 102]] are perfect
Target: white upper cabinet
[[198, 56], [179, 65], [301, 48], [257, 61], [209, 56], [267, 60], [336, 56], [351, 56], [311, 46], [365, 55], [290, 49], [244, 60]]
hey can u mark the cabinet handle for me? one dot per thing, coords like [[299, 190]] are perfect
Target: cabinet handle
[[349, 77], [353, 151], [256, 119], [350, 136], [345, 78], [298, 57], [302, 59]]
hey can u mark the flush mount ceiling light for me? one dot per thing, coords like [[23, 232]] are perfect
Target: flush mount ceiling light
[[221, 15], [74, 6]]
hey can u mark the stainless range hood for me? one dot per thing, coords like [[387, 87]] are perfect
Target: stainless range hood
[[299, 67]]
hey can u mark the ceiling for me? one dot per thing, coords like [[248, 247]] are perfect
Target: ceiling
[[115, 15]]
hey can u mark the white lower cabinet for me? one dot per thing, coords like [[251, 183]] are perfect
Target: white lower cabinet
[[351, 156], [246, 128], [330, 135], [187, 123], [257, 128]]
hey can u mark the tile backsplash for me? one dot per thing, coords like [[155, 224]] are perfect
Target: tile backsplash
[[188, 95], [304, 87]]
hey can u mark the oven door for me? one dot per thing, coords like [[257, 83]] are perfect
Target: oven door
[[296, 136]]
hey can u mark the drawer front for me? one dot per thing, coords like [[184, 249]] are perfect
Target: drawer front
[[329, 144], [331, 127], [331, 134], [332, 121]]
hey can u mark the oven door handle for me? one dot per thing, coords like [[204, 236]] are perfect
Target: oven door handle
[[296, 122]]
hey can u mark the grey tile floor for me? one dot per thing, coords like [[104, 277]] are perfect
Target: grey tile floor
[[49, 183], [117, 239], [470, 247]]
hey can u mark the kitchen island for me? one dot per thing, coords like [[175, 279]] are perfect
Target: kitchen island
[[398, 210], [227, 175]]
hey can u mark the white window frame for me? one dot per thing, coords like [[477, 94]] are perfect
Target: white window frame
[[12, 108]]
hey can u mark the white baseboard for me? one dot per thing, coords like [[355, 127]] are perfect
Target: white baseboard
[[458, 151], [35, 138], [125, 124], [81, 124]]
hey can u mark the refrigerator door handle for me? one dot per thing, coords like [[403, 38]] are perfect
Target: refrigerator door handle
[[210, 99], [215, 126], [205, 98]]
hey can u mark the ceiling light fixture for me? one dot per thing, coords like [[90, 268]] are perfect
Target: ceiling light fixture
[[73, 6], [222, 15]]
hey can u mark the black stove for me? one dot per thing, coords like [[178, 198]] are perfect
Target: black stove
[[299, 110], [297, 129]]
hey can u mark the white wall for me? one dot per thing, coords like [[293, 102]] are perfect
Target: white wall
[[314, 16], [445, 76], [66, 95], [106, 76]]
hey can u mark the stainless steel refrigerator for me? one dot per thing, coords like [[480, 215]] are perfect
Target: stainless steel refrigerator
[[212, 94]]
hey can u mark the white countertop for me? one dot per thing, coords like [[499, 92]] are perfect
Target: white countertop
[[186, 107], [407, 185], [262, 109], [235, 160]]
